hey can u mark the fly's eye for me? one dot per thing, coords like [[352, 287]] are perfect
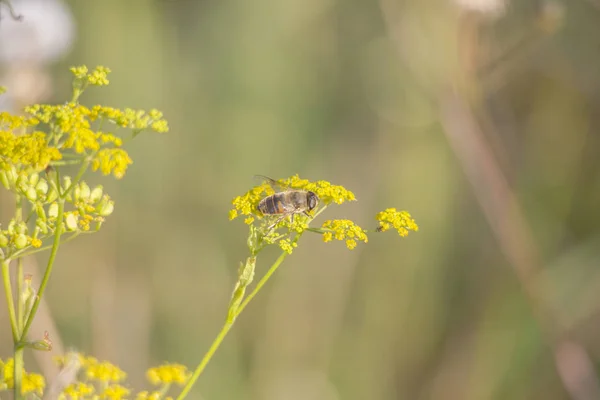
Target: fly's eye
[[312, 201]]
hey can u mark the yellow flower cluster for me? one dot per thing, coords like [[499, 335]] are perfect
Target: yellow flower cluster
[[71, 124], [102, 380], [16, 236], [32, 382], [28, 150], [112, 160], [132, 119], [401, 221], [102, 371], [168, 373], [156, 395], [77, 391], [343, 229], [287, 245], [97, 77], [327, 193]]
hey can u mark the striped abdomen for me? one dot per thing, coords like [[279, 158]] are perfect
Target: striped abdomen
[[274, 204]]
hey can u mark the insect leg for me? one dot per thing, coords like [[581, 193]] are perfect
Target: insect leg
[[275, 223]]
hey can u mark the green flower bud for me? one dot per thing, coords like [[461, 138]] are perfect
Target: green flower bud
[[12, 227], [21, 227], [3, 240], [39, 210], [96, 194], [22, 181], [66, 182], [4, 179], [84, 191], [52, 195], [53, 210], [34, 178], [11, 175], [77, 193], [42, 187], [67, 186], [20, 241], [42, 225], [28, 294], [31, 194], [71, 222], [105, 207]]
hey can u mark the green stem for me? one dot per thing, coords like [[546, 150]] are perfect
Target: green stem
[[46, 278], [20, 302], [261, 283], [207, 357], [9, 300], [217, 342], [18, 373]]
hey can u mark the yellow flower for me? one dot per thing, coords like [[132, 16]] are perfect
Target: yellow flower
[[168, 373], [287, 246], [113, 161], [115, 392], [103, 371], [79, 72], [399, 220], [97, 77], [31, 383], [344, 229], [148, 396], [30, 149], [78, 391]]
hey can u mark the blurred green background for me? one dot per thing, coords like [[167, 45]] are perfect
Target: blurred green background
[[480, 118]]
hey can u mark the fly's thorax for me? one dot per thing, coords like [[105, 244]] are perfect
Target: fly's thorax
[[297, 199]]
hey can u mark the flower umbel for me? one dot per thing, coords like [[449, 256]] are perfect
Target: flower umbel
[[327, 193], [32, 382], [344, 229], [401, 221], [168, 373]]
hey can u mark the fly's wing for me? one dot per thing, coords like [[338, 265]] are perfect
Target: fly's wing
[[278, 187]]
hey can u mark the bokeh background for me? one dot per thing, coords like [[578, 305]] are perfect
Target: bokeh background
[[479, 117]]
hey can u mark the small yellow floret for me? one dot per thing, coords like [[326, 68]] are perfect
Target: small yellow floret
[[103, 371], [399, 220], [344, 229], [168, 373], [115, 392]]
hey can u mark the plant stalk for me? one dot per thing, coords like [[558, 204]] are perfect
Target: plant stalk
[[229, 323], [48, 272]]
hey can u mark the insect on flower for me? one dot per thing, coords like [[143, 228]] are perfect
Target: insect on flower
[[286, 203]]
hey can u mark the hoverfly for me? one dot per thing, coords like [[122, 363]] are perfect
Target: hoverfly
[[286, 203]]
